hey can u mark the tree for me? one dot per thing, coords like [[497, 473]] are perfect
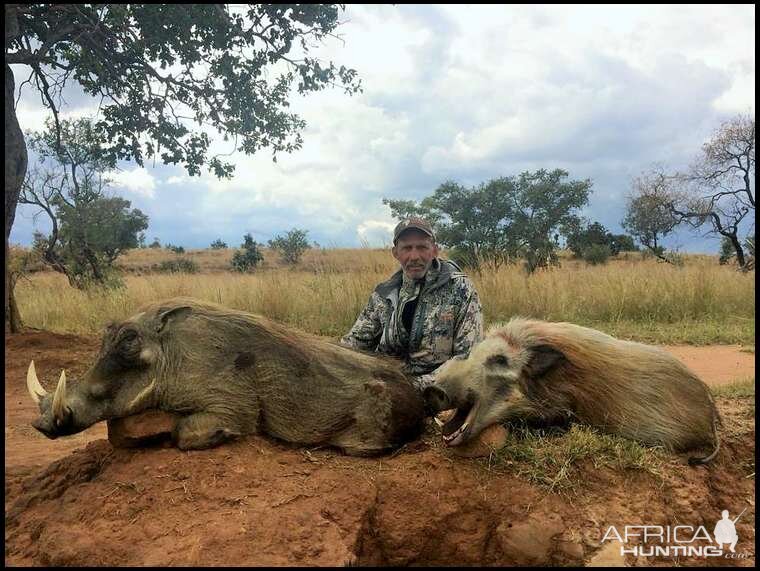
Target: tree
[[504, 218], [157, 68], [249, 257], [580, 238], [291, 246], [218, 245], [648, 217], [89, 229], [718, 189]]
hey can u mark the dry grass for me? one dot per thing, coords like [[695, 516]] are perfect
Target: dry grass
[[701, 302]]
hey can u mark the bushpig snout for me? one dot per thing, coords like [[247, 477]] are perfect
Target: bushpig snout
[[436, 400]]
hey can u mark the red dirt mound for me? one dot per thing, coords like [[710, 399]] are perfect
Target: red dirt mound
[[260, 502]]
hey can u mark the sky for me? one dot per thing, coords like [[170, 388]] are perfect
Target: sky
[[462, 93]]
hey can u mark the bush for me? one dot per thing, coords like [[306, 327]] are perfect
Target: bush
[[597, 254], [175, 249], [178, 266], [622, 243], [249, 257], [155, 243], [218, 245], [291, 246]]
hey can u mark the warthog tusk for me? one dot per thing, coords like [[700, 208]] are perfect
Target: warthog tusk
[[36, 391], [146, 392], [59, 398]]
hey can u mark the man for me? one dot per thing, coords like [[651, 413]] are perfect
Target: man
[[426, 313], [725, 531]]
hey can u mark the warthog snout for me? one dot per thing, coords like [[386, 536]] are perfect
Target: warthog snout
[[64, 411]]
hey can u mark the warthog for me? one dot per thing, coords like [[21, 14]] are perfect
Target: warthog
[[548, 373], [231, 373]]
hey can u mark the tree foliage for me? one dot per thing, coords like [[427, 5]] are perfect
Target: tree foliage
[[503, 219], [154, 66], [291, 246], [218, 244]]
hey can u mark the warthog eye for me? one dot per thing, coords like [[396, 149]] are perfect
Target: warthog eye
[[128, 346]]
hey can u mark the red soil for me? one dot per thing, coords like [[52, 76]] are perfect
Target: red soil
[[256, 501]]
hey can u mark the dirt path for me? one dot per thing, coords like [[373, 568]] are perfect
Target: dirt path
[[716, 364]]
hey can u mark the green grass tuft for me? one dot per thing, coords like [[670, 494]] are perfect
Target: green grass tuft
[[551, 458], [738, 388]]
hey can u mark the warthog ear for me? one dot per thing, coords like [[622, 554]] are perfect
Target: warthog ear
[[172, 315], [542, 359]]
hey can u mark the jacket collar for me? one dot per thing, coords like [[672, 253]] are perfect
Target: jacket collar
[[440, 272]]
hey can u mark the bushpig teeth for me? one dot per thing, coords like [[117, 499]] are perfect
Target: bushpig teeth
[[453, 435], [59, 399], [36, 391]]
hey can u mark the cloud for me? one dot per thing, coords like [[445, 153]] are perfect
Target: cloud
[[470, 93], [137, 181], [376, 232]]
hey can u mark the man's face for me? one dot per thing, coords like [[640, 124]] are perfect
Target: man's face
[[415, 251]]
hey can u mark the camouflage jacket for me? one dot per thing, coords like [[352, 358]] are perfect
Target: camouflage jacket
[[447, 321]]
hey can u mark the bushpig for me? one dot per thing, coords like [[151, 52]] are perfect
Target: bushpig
[[230, 373], [553, 373]]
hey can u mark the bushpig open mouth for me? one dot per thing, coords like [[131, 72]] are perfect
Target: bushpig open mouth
[[457, 429]]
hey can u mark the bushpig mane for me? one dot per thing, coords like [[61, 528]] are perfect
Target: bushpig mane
[[615, 384]]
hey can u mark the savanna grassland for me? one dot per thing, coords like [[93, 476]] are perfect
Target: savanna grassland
[[700, 302]]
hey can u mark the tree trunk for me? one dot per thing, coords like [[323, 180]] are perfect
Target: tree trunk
[[739, 250], [15, 170], [14, 317]]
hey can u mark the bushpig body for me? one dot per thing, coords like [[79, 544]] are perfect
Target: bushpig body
[[547, 373], [231, 373]]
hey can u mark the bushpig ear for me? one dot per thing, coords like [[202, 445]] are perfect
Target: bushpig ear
[[173, 315], [542, 359]]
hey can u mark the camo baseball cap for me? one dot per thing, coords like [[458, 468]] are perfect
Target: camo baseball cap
[[416, 223]]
